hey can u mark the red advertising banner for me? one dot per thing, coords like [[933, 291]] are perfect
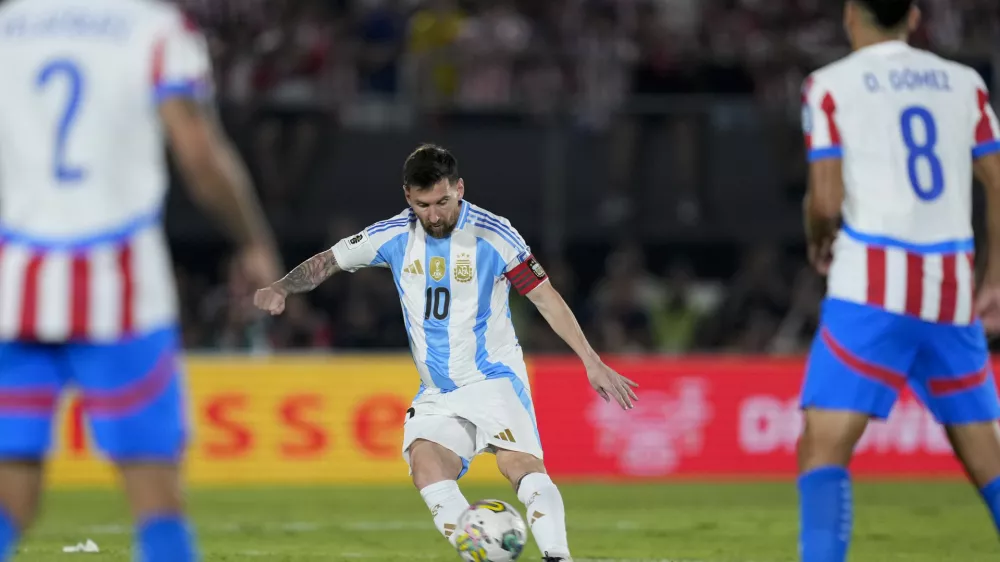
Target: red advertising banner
[[711, 417]]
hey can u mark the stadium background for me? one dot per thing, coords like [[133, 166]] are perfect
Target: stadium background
[[650, 153]]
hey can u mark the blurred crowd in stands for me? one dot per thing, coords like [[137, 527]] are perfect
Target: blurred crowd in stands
[[287, 69]]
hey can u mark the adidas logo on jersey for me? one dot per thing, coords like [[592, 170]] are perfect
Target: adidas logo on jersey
[[414, 268], [505, 435]]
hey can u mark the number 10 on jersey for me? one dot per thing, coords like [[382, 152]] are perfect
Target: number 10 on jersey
[[437, 303], [922, 152]]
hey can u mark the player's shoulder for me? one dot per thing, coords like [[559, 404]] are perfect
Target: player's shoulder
[[829, 72], [149, 12], [476, 215], [392, 226], [491, 227], [963, 72], [164, 14]]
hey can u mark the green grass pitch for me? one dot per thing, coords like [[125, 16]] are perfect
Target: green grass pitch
[[912, 522]]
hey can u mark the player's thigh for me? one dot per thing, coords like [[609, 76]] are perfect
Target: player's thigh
[[503, 413], [953, 377], [859, 359], [31, 379], [428, 419], [134, 397]]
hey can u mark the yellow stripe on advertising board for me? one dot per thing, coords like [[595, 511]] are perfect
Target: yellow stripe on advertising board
[[282, 420]]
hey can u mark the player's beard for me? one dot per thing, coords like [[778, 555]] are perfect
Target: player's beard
[[442, 230]]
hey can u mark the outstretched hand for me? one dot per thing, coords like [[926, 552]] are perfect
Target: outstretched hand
[[609, 384]]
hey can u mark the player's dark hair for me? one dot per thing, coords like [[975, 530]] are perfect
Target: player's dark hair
[[428, 165], [888, 14]]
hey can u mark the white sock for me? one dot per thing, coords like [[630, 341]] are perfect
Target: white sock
[[546, 514], [446, 503]]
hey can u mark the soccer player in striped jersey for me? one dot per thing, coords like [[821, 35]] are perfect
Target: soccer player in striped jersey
[[453, 264], [87, 298], [894, 136]]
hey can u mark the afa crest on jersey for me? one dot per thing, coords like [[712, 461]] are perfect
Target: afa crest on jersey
[[463, 269]]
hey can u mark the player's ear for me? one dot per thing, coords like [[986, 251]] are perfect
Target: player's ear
[[913, 19], [850, 13], [406, 193], [460, 188]]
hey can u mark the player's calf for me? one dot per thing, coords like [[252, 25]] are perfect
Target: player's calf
[[20, 488], [825, 502], [435, 472], [828, 437], [542, 501], [155, 496], [977, 445]]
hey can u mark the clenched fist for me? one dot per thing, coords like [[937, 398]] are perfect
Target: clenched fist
[[270, 299]]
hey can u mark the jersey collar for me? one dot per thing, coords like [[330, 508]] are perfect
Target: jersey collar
[[886, 47], [463, 214]]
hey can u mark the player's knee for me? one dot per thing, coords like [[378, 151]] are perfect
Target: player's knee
[[828, 437], [978, 447], [432, 463], [515, 465], [152, 489], [20, 490]]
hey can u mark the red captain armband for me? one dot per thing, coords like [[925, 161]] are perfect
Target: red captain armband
[[526, 275]]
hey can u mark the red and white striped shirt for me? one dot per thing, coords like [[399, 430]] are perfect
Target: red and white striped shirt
[[907, 125], [105, 288], [83, 175]]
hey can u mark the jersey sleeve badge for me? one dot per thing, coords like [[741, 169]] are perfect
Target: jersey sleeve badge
[[536, 268], [357, 239]]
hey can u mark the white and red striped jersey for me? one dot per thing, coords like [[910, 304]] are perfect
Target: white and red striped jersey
[[83, 174], [907, 125]]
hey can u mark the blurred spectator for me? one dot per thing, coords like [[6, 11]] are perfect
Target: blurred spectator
[[289, 77], [757, 299], [626, 300], [431, 45], [489, 46], [676, 322], [796, 330], [604, 53], [380, 34]]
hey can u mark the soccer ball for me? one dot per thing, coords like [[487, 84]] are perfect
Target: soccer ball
[[490, 531]]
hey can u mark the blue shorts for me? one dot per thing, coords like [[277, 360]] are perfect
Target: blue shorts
[[863, 356], [131, 395]]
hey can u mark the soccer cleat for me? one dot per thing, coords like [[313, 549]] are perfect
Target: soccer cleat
[[556, 559]]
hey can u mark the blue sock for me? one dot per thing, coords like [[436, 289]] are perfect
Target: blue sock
[[8, 536], [166, 538], [991, 495], [825, 507]]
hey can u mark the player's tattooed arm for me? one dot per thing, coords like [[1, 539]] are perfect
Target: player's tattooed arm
[[309, 274]]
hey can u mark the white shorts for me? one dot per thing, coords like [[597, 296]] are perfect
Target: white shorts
[[481, 417]]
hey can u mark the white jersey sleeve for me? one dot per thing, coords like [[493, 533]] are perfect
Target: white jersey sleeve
[[986, 127], [517, 263], [367, 248], [181, 62], [819, 124]]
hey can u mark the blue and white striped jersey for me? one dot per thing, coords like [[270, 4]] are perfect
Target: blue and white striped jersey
[[454, 292]]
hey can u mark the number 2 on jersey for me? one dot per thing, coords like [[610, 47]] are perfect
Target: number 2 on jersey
[[70, 71], [922, 151]]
